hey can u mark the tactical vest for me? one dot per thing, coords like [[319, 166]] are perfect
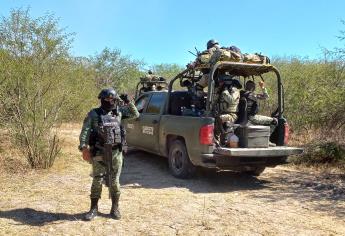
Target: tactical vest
[[252, 102], [107, 130], [226, 107]]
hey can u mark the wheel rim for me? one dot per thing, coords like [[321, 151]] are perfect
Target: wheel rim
[[177, 160]]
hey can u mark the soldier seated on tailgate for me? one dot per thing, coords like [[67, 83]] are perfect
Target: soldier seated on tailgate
[[253, 106], [227, 99]]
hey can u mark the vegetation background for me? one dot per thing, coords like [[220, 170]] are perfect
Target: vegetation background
[[42, 85]]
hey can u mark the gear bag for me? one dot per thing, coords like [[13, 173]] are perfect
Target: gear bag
[[224, 54], [256, 58]]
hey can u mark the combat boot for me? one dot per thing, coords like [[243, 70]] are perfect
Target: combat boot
[[114, 212], [93, 210]]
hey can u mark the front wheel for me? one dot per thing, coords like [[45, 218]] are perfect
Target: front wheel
[[179, 164]]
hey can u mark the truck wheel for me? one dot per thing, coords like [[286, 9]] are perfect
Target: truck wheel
[[256, 171], [179, 163]]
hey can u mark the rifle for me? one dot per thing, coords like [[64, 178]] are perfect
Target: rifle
[[197, 52], [110, 138]]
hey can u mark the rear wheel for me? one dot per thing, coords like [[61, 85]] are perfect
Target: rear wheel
[[256, 171], [179, 164]]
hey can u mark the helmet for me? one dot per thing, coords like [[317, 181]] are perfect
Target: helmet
[[109, 99], [230, 81], [235, 49], [150, 72], [108, 93], [211, 43]]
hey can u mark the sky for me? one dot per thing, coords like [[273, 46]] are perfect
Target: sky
[[163, 31]]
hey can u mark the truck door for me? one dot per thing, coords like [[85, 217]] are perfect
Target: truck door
[[132, 126], [149, 122]]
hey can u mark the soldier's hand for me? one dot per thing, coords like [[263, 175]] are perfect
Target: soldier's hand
[[261, 84], [86, 154], [190, 65], [124, 98]]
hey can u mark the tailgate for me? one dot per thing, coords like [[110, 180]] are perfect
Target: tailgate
[[258, 152]]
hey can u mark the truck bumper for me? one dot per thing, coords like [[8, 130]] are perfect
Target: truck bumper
[[230, 158]]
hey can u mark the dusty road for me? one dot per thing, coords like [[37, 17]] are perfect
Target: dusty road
[[283, 201]]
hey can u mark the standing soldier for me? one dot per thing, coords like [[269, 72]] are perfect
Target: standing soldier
[[91, 142], [253, 106]]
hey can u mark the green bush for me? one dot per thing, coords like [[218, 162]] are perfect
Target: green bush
[[322, 153]]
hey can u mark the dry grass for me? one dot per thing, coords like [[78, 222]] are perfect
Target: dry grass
[[282, 201]]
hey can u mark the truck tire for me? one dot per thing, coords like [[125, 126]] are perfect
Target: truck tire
[[256, 171], [179, 164]]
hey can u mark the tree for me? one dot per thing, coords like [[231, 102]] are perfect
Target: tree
[[115, 70], [167, 71], [35, 64]]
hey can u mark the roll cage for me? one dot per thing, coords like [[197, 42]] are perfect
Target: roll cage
[[235, 69]]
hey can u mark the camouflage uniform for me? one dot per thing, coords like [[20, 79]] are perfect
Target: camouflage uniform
[[227, 108], [259, 119], [98, 168], [228, 105]]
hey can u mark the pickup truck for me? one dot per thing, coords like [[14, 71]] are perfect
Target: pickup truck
[[187, 139]]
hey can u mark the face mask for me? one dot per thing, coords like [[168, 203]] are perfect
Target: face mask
[[108, 105]]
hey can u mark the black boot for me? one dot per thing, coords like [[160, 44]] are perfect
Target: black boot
[[93, 210], [114, 212]]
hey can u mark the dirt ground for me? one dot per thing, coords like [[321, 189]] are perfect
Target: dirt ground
[[282, 201]]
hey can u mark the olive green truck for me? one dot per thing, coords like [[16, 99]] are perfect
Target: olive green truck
[[187, 138]]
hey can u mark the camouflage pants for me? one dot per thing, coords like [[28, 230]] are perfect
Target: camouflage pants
[[262, 120], [99, 170], [230, 117]]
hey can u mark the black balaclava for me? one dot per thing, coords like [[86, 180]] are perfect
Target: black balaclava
[[108, 105]]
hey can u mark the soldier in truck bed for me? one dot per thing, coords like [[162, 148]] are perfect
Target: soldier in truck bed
[[227, 99], [253, 106], [152, 82]]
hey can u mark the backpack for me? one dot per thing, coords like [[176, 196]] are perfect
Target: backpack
[[256, 58], [224, 54]]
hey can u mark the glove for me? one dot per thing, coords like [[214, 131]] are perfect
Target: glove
[[274, 121], [261, 84], [124, 98], [86, 154], [191, 65]]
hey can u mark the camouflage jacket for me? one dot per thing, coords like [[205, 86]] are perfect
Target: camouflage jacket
[[228, 101], [92, 119]]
